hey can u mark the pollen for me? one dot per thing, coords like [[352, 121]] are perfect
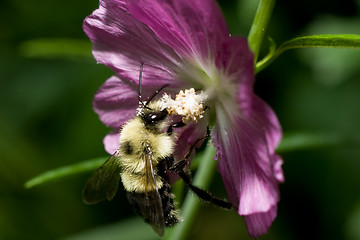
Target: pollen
[[187, 104]]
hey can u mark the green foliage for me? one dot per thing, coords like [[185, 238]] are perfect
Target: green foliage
[[56, 48], [305, 141], [65, 171], [259, 26], [315, 41]]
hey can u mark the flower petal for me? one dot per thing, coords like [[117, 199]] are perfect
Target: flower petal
[[246, 136], [111, 141], [248, 165], [187, 136], [259, 223], [116, 102], [122, 43], [237, 63], [247, 158], [194, 27]]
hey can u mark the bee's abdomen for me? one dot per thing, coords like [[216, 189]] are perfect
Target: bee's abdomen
[[142, 205], [171, 215]]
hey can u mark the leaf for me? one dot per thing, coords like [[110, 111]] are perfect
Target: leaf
[[314, 41], [65, 171], [301, 141], [325, 40], [56, 48]]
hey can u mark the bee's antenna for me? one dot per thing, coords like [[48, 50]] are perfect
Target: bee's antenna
[[139, 89], [156, 92], [140, 80]]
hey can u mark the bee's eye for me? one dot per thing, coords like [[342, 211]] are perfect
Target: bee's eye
[[155, 117]]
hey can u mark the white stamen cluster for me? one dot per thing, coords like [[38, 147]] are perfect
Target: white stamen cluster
[[187, 104]]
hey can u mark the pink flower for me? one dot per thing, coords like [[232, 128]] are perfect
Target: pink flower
[[187, 44]]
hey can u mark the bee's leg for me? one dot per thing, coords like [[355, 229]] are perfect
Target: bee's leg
[[204, 195], [178, 168], [175, 125], [165, 165], [181, 164]]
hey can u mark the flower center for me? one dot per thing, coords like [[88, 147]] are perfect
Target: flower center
[[219, 88], [187, 104]]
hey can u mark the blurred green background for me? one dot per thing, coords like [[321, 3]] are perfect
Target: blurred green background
[[47, 121]]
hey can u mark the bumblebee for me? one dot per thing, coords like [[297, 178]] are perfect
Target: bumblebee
[[142, 161]]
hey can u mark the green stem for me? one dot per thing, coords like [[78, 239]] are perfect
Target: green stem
[[191, 204], [315, 41], [260, 23]]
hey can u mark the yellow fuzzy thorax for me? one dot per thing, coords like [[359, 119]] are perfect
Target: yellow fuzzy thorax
[[134, 139]]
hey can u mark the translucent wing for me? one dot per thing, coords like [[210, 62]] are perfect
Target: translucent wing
[[153, 209], [104, 183]]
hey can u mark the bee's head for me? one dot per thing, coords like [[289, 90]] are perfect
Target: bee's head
[[153, 113], [152, 118]]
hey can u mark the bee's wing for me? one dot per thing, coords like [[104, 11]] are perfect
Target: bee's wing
[[153, 209], [104, 183]]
